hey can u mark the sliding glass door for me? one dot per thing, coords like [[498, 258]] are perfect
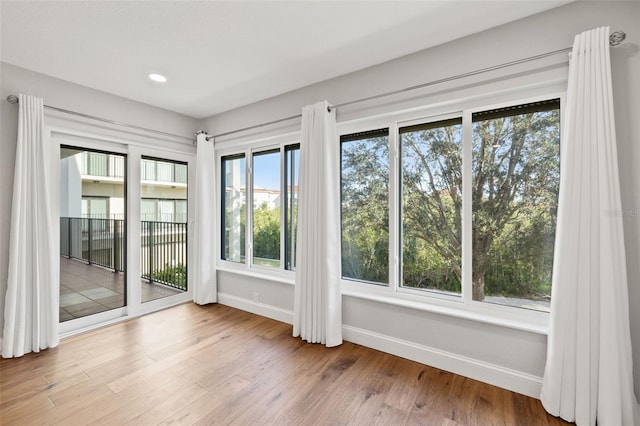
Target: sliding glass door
[[92, 232], [123, 247], [163, 228]]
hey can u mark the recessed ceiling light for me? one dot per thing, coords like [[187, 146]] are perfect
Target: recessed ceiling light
[[158, 77]]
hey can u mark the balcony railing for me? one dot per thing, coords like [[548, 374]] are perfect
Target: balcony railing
[[164, 253], [105, 165], [102, 242], [96, 241]]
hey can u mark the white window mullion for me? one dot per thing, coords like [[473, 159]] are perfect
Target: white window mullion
[[395, 200], [249, 210], [467, 179]]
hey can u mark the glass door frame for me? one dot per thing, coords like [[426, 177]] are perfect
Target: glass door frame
[[134, 147], [136, 154]]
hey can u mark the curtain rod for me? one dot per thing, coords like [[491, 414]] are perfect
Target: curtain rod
[[615, 39], [13, 99]]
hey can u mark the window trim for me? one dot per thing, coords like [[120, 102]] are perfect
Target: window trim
[[247, 149], [461, 306]]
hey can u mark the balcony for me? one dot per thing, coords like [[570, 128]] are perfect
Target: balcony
[[93, 263]]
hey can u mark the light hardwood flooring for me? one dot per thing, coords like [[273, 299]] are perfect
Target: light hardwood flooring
[[218, 365]]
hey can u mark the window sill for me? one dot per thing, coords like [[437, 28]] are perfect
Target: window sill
[[514, 318], [283, 277]]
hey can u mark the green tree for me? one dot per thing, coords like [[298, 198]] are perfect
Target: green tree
[[516, 172], [365, 209], [266, 233], [515, 176], [432, 206]]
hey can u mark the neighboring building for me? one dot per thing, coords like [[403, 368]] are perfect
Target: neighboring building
[[92, 186]]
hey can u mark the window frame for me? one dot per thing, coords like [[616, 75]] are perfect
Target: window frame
[[397, 187], [429, 300], [390, 266], [289, 264], [257, 152], [221, 207], [248, 148]]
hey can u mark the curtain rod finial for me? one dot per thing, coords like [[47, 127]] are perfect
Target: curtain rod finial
[[12, 99], [616, 38]]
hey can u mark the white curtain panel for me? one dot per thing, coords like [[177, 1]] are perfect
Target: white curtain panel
[[588, 376], [317, 314], [205, 235], [31, 310]]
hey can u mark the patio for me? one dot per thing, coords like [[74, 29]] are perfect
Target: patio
[[88, 289]]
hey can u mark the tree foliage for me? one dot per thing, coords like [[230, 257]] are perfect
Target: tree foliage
[[516, 172], [266, 233], [515, 176], [365, 209]]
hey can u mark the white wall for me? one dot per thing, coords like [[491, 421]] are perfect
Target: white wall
[[505, 355], [62, 94]]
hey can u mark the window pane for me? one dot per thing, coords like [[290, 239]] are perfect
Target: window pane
[[180, 173], [181, 211], [234, 205], [148, 210], [164, 171], [148, 170], [365, 206], [292, 165], [516, 173], [99, 208], [95, 163], [163, 232], [266, 209], [92, 233], [432, 206], [166, 211]]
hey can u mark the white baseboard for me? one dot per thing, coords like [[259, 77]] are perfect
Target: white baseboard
[[257, 308], [496, 375], [492, 374]]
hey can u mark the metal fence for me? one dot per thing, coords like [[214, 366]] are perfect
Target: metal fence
[[102, 242], [164, 253], [96, 241]]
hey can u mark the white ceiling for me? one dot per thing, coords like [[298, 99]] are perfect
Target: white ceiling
[[219, 55]]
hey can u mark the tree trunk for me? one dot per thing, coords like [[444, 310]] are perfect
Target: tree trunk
[[478, 284], [481, 245]]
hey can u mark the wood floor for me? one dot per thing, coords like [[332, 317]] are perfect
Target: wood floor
[[218, 365]]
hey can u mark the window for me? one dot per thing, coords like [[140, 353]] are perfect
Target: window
[[93, 237], [266, 208], [163, 229], [509, 182], [102, 164], [432, 205], [95, 207], [273, 198], [163, 171], [516, 174], [291, 167], [234, 205], [164, 210], [364, 189]]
